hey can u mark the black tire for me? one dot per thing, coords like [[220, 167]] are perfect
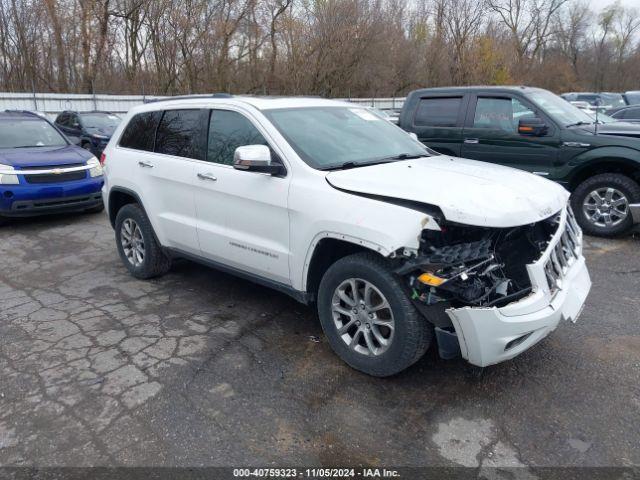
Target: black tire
[[154, 262], [622, 183], [96, 209], [412, 334]]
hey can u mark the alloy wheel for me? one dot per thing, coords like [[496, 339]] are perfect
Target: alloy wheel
[[132, 242], [363, 317], [606, 207]]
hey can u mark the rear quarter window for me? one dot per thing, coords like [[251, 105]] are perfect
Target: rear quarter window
[[139, 134], [438, 112]]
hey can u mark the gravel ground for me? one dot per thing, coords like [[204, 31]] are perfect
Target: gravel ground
[[200, 368]]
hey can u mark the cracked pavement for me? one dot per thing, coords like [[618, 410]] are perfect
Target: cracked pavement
[[199, 368]]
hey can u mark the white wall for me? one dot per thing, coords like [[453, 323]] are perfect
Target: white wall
[[54, 103]]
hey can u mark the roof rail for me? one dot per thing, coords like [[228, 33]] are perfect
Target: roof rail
[[186, 97]]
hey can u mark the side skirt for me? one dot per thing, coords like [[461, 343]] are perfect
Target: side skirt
[[302, 297]]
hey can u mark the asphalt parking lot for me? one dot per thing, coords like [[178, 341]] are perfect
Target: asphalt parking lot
[[200, 368]]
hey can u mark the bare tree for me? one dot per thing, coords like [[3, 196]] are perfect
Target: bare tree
[[326, 47]]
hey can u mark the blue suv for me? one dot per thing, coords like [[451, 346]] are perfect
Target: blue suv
[[42, 172], [90, 130]]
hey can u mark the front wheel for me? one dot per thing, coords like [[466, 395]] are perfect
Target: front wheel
[[137, 245], [367, 317], [601, 204]]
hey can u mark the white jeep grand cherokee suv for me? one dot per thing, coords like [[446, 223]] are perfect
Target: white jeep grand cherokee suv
[[333, 205]]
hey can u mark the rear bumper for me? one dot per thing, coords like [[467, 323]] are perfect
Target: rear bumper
[[24, 201]]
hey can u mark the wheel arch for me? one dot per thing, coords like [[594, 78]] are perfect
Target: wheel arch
[[620, 165], [325, 250], [118, 198]]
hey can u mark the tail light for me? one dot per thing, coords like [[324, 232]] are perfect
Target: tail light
[[103, 159]]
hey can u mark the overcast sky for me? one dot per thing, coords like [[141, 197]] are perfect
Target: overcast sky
[[598, 5]]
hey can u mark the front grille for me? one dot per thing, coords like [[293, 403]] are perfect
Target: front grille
[[55, 177], [564, 252]]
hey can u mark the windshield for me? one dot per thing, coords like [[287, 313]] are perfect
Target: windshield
[[328, 137], [100, 120], [559, 109], [29, 133]]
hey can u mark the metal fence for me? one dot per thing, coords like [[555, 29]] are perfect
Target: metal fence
[[53, 103]]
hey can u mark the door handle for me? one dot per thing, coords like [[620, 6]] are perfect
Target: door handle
[[207, 176], [471, 140], [145, 164]]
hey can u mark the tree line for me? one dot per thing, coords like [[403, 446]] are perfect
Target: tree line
[[334, 48]]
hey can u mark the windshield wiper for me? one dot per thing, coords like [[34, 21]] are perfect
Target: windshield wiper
[[29, 146], [405, 156], [348, 165], [577, 124], [394, 158]]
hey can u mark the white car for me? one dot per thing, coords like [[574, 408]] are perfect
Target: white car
[[396, 245]]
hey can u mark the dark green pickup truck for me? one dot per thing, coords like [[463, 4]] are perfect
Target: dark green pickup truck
[[535, 130]]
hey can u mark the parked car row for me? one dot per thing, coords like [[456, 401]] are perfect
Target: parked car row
[[396, 240]]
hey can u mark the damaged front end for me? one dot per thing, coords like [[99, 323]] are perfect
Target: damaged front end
[[474, 267]]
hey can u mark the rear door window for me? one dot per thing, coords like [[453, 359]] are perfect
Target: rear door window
[[180, 134], [438, 112], [140, 132]]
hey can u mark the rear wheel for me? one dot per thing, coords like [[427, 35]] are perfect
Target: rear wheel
[[601, 204], [368, 319], [137, 244]]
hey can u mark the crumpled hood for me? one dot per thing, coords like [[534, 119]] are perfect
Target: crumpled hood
[[467, 191], [43, 156]]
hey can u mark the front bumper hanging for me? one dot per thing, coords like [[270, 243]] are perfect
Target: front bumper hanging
[[560, 285]]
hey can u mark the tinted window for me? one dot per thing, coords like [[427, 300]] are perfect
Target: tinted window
[[592, 99], [500, 113], [140, 131], [632, 113], [62, 119], [438, 112], [180, 134], [228, 131]]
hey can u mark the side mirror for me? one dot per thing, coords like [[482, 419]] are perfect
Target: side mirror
[[255, 158], [414, 136], [532, 126], [75, 140]]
